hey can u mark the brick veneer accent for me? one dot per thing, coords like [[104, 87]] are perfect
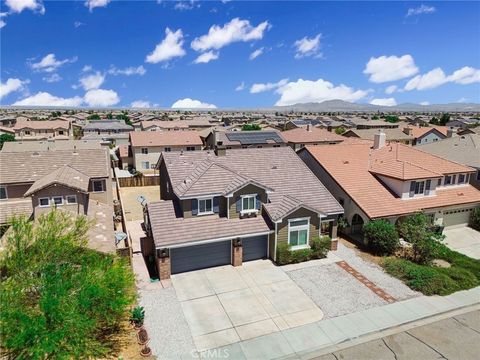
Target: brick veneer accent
[[237, 256], [334, 245], [163, 267]]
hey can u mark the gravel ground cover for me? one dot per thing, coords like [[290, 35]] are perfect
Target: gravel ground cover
[[376, 274], [167, 328], [334, 290]]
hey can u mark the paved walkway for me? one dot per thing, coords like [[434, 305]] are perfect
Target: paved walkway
[[465, 240], [323, 337]]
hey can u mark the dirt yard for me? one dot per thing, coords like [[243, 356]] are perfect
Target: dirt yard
[[131, 206]]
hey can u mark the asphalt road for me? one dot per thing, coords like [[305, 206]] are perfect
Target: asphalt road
[[456, 338]]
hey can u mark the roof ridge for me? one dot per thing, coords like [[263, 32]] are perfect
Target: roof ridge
[[194, 179]]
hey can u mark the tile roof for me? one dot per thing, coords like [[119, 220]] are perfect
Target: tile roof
[[124, 151], [348, 165], [185, 124], [42, 124], [94, 125], [171, 230], [254, 137], [29, 145], [419, 131], [11, 207], [391, 134], [31, 166], [66, 176], [315, 135], [167, 138]]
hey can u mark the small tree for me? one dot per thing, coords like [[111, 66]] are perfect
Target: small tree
[[5, 138], [382, 237], [249, 127], [444, 119], [340, 130]]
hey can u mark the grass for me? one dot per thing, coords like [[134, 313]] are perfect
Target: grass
[[463, 274]]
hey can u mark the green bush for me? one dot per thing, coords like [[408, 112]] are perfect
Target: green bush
[[300, 255], [283, 254], [137, 315], [319, 247], [382, 237], [475, 219]]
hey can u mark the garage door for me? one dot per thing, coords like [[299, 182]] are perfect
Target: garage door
[[456, 217], [255, 248], [200, 256]]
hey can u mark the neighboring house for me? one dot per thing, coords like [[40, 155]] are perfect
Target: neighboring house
[[77, 181], [177, 125], [51, 144], [6, 130], [231, 206], [425, 135], [106, 127], [360, 123], [463, 123], [7, 121], [147, 146], [395, 135], [463, 149], [42, 130], [301, 123], [391, 181], [125, 157], [300, 137], [244, 139], [470, 130], [418, 121]]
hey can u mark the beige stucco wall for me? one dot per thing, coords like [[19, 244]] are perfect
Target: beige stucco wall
[[80, 207], [153, 154], [106, 196], [249, 189]]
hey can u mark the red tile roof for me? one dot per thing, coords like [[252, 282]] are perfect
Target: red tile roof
[[314, 135]]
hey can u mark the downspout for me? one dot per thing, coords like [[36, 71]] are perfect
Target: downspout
[[275, 248]]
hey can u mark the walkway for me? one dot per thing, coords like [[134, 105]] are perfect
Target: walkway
[[465, 240]]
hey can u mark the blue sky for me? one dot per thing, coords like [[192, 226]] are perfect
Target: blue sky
[[237, 54]]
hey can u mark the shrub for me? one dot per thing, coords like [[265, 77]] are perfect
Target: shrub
[[300, 255], [319, 247], [340, 130], [137, 315], [475, 219], [283, 254], [382, 237]]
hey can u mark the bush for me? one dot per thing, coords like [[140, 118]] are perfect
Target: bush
[[340, 130], [382, 237], [137, 315], [319, 247], [283, 254], [475, 219]]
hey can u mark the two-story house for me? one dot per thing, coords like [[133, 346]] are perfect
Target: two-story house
[[42, 130], [146, 147], [114, 131], [244, 139], [303, 136], [378, 180], [427, 134], [230, 206]]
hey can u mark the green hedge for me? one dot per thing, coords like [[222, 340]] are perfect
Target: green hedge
[[319, 247]]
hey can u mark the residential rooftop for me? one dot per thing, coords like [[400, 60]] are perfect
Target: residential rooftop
[[168, 138]]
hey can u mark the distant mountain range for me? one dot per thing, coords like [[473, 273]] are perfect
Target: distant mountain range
[[345, 106]]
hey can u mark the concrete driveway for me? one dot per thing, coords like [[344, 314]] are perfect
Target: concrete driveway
[[224, 305], [465, 240]]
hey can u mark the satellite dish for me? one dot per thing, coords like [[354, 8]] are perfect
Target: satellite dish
[[142, 200], [119, 236]]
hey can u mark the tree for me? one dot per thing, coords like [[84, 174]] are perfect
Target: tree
[[392, 118], [93, 117], [340, 130], [60, 299], [109, 116], [4, 138], [375, 117], [125, 118], [249, 127], [444, 119], [382, 237], [434, 121]]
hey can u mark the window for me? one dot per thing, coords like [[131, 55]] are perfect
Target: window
[[419, 187], [190, 148], [3, 193], [276, 145], [448, 180], [145, 151], [259, 146], [27, 132], [57, 200], [249, 203], [60, 132], [145, 165], [98, 185], [298, 230], [71, 199], [439, 183], [461, 178], [152, 166], [43, 202], [167, 149], [454, 179], [205, 206]]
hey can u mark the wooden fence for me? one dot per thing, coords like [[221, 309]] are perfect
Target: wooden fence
[[139, 181]]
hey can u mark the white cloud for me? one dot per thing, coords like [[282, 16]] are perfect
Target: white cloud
[[52, 78], [307, 47], [466, 75], [50, 64], [240, 87], [384, 102], [101, 98], [169, 48], [92, 4], [188, 103], [17, 6], [206, 57], [77, 24], [390, 68], [304, 91], [11, 85], [234, 31], [186, 5], [391, 89], [140, 104], [423, 9], [258, 88], [87, 68], [424, 103], [2, 23], [437, 77], [139, 70], [92, 81], [46, 99], [256, 53], [462, 100]]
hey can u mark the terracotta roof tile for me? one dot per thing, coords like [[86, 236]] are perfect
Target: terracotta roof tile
[[315, 135], [66, 176]]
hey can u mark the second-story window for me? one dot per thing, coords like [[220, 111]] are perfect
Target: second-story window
[[461, 178], [167, 149], [3, 193], [448, 180], [98, 185], [190, 148], [205, 206], [249, 203], [145, 151]]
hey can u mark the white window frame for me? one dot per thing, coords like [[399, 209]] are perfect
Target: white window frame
[[198, 206], [103, 186], [464, 179], [248, 211], [40, 202], [70, 196], [419, 184], [52, 200], [145, 165], [144, 151], [299, 228], [6, 193]]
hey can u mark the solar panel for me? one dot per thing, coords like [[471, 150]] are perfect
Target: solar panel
[[260, 137]]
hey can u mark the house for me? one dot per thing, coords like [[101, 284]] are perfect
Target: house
[[300, 137], [396, 135], [106, 127], [147, 146], [244, 139], [469, 130], [125, 157], [463, 123], [462, 149], [231, 206], [301, 123], [389, 181], [76, 181], [178, 125], [51, 144], [425, 134], [7, 130], [42, 130]]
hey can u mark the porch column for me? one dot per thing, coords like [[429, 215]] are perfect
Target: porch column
[[162, 259], [333, 234]]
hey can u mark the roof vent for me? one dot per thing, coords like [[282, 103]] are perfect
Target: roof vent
[[346, 162], [35, 153], [274, 167]]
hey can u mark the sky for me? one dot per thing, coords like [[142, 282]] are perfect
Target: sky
[[237, 54]]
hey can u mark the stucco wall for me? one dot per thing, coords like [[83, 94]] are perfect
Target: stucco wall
[[80, 207], [249, 189], [153, 154]]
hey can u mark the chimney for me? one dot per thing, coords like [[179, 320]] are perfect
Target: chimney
[[220, 150], [407, 130], [450, 133], [215, 137], [379, 140]]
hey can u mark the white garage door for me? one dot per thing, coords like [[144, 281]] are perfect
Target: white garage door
[[456, 217]]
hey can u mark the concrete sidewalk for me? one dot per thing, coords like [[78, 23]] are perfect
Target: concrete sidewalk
[[328, 335]]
